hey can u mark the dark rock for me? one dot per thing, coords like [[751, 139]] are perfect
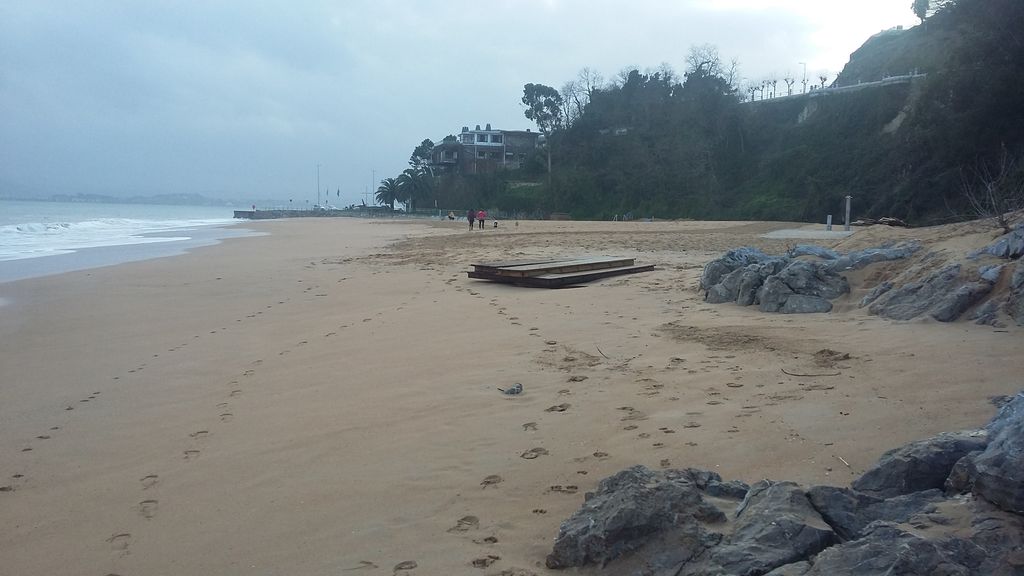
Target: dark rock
[[889, 551], [751, 280], [811, 250], [861, 258], [961, 477], [1001, 536], [916, 298], [1015, 304], [920, 465], [849, 512], [775, 525], [805, 279], [1010, 246], [875, 293], [732, 260], [991, 273], [950, 306], [987, 314], [998, 474], [794, 569], [773, 294], [727, 289], [804, 304], [813, 280], [627, 509]]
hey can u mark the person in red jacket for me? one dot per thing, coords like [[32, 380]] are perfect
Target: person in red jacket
[[480, 217]]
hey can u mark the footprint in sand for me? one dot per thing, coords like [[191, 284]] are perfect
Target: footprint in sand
[[147, 509], [485, 561], [199, 434], [665, 463], [43, 437], [120, 542], [539, 511], [630, 427], [576, 378], [234, 393], [488, 540], [407, 565], [533, 453], [149, 481], [465, 524], [492, 480], [570, 489], [227, 417], [363, 565], [600, 455], [530, 426], [558, 408], [191, 454]]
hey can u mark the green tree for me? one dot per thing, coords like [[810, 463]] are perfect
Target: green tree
[[543, 106], [387, 192], [920, 8], [421, 154], [414, 185]]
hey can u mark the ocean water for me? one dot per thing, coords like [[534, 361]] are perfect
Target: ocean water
[[39, 238]]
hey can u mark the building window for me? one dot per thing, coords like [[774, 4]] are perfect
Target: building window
[[481, 154], [481, 137], [496, 138], [467, 138]]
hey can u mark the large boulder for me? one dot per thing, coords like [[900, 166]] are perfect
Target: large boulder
[[849, 512], [998, 472], [1015, 304], [1009, 246], [949, 307], [801, 278], [775, 525], [715, 270], [887, 550], [916, 298], [918, 466], [631, 507]]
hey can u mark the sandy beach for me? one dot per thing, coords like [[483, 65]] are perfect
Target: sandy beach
[[323, 399]]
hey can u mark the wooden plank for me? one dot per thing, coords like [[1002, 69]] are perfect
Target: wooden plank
[[497, 265], [556, 280], [565, 266]]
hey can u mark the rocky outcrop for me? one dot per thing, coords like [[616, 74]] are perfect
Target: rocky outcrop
[[895, 519], [918, 466], [1015, 303], [776, 284], [1009, 246], [633, 505], [997, 473]]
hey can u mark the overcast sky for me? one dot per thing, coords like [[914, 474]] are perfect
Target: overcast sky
[[242, 99]]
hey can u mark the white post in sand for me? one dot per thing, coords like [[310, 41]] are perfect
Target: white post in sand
[[828, 223], [846, 222]]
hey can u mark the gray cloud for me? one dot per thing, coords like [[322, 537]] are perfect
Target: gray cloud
[[242, 99]]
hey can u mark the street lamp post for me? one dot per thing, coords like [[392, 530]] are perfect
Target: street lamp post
[[805, 76], [317, 184]]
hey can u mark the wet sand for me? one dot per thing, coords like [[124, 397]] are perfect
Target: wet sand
[[323, 400]]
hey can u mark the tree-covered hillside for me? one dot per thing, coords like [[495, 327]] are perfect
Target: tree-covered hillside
[[696, 146]]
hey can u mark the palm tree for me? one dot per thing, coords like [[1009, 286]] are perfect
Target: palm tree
[[388, 192], [414, 185]]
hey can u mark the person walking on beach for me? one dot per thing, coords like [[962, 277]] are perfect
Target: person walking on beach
[[470, 215], [481, 216]]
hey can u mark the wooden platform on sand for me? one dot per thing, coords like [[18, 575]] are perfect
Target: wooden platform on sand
[[554, 273]]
